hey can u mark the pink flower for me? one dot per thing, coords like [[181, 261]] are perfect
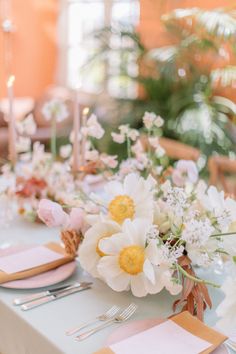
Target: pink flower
[[77, 219], [185, 171], [52, 214]]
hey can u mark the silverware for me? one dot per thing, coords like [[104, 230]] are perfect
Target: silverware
[[103, 317], [230, 344], [53, 297], [22, 300], [121, 317]]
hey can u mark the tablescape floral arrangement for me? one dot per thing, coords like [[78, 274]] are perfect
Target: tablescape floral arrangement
[[39, 174], [144, 236]]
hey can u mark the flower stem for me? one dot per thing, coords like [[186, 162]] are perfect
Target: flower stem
[[54, 138], [224, 234], [195, 279], [128, 148]]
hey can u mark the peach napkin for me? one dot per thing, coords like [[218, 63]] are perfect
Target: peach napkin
[[195, 327], [4, 277]]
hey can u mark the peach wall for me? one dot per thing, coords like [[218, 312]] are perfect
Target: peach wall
[[33, 46]]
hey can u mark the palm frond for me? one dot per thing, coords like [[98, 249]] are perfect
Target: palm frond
[[163, 54], [218, 22], [224, 76]]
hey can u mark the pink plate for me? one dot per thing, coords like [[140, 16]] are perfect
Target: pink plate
[[132, 328], [42, 280]]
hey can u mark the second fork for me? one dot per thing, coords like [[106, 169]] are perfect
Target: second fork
[[103, 317]]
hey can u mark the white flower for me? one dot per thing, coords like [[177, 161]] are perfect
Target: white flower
[[227, 308], [197, 232], [159, 122], [160, 152], [65, 151], [118, 138], [127, 263], [185, 171], [133, 134], [23, 144], [148, 119], [92, 155], [26, 126], [90, 252], [93, 128], [224, 210], [55, 109], [109, 160], [154, 141], [176, 200], [124, 129], [131, 199], [137, 148]]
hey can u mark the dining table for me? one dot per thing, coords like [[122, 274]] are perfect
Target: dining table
[[42, 330]]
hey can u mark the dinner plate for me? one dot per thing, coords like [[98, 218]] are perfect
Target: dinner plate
[[135, 327], [45, 279]]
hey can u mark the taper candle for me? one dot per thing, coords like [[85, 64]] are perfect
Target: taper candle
[[76, 130], [11, 121], [84, 136]]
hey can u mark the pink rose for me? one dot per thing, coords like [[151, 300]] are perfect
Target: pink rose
[[77, 219], [185, 171], [52, 214]]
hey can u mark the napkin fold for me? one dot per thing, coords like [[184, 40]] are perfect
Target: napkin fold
[[192, 325], [4, 277]]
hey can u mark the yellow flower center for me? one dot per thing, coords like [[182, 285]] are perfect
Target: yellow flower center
[[121, 208], [131, 259]]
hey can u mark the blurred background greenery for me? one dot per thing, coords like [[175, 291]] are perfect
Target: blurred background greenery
[[184, 82]]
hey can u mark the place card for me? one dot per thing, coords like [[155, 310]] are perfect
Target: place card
[[28, 259], [183, 333], [168, 337]]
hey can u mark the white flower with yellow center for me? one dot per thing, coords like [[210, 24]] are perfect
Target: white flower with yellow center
[[131, 199], [128, 262], [90, 252]]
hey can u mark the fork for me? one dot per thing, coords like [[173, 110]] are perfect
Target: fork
[[121, 317], [103, 317]]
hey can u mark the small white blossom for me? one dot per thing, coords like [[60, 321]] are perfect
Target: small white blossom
[[65, 151], [23, 144], [197, 232], [93, 128], [159, 122], [55, 109], [118, 138]]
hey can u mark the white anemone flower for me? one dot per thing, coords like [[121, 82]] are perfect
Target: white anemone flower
[[131, 199], [128, 262], [224, 210], [90, 252]]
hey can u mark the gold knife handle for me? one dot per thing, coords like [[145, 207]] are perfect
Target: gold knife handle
[[36, 303]]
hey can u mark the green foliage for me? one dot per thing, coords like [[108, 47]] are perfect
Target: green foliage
[[175, 84]]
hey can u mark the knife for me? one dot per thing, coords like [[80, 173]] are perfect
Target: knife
[[25, 299], [53, 297]]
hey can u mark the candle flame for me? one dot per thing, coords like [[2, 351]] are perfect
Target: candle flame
[[10, 81], [85, 111]]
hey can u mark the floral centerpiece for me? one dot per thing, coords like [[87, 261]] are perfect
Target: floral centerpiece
[[144, 237]]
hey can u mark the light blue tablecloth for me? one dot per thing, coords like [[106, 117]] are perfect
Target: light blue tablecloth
[[42, 330]]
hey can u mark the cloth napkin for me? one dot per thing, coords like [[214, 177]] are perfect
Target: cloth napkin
[[187, 322], [4, 277]]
